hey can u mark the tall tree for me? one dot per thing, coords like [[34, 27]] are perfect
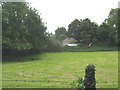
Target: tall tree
[[14, 29], [60, 33], [88, 31], [22, 27], [37, 30], [103, 33], [82, 30], [112, 22], [74, 29], [112, 19]]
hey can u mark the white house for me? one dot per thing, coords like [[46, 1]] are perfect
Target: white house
[[72, 45], [69, 42]]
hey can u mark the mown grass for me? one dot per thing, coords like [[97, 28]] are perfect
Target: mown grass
[[59, 70]]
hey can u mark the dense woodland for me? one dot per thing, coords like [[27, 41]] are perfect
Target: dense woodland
[[24, 31]]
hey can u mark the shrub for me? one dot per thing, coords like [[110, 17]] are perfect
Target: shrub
[[78, 83], [53, 46], [89, 81]]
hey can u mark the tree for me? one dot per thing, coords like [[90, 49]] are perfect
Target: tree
[[37, 30], [73, 29], [88, 31], [22, 27], [84, 31], [60, 33], [113, 22], [14, 30], [103, 33], [112, 19]]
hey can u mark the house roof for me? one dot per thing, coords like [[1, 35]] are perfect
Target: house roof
[[68, 41]]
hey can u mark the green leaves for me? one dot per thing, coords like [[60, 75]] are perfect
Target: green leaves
[[60, 33], [83, 30], [23, 28], [113, 22]]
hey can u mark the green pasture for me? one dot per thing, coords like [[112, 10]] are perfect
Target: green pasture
[[59, 70]]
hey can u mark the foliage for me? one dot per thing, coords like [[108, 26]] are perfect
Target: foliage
[[14, 30], [73, 29], [112, 19], [24, 31], [78, 84], [60, 33], [113, 22], [23, 28], [84, 30], [103, 33], [53, 46], [89, 81]]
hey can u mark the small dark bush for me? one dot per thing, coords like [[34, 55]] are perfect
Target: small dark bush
[[89, 81]]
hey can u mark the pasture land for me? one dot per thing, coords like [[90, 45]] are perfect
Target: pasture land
[[59, 70]]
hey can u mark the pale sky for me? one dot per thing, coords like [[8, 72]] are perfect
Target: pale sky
[[58, 13]]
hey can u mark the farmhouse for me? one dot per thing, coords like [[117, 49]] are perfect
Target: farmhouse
[[69, 42], [71, 45]]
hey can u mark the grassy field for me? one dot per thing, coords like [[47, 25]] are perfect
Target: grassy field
[[54, 70]]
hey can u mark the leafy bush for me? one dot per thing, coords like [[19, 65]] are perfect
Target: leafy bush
[[89, 81], [53, 46], [78, 83]]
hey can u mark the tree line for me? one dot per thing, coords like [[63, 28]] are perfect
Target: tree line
[[85, 31], [24, 31]]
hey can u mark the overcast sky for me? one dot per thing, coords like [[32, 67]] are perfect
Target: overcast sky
[[58, 13]]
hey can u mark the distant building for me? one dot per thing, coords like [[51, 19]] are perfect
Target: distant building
[[71, 45], [69, 42]]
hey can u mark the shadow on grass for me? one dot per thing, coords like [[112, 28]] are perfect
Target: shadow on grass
[[21, 58], [32, 57]]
